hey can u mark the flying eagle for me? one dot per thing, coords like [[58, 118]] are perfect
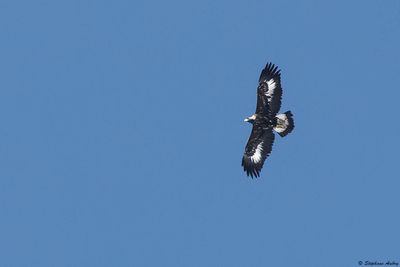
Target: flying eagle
[[265, 120]]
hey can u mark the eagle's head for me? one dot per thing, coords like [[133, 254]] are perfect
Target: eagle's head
[[251, 119]]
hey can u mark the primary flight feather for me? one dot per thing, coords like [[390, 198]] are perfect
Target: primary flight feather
[[265, 121]]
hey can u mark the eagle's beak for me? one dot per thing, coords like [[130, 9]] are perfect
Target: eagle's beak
[[246, 120]]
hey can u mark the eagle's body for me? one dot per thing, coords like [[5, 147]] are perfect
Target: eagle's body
[[265, 121]]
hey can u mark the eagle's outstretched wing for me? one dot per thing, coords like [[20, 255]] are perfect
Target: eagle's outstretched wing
[[257, 150], [269, 91]]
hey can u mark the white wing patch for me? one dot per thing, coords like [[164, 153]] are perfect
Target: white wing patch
[[271, 87], [257, 155]]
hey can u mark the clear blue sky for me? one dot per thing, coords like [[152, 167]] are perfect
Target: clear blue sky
[[122, 133]]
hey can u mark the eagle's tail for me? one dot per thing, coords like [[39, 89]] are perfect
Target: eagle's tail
[[284, 123]]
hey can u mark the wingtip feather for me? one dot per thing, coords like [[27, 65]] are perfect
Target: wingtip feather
[[270, 70]]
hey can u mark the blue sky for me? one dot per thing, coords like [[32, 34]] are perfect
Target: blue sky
[[122, 133]]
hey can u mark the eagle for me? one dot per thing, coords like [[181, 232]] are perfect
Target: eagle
[[265, 121]]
